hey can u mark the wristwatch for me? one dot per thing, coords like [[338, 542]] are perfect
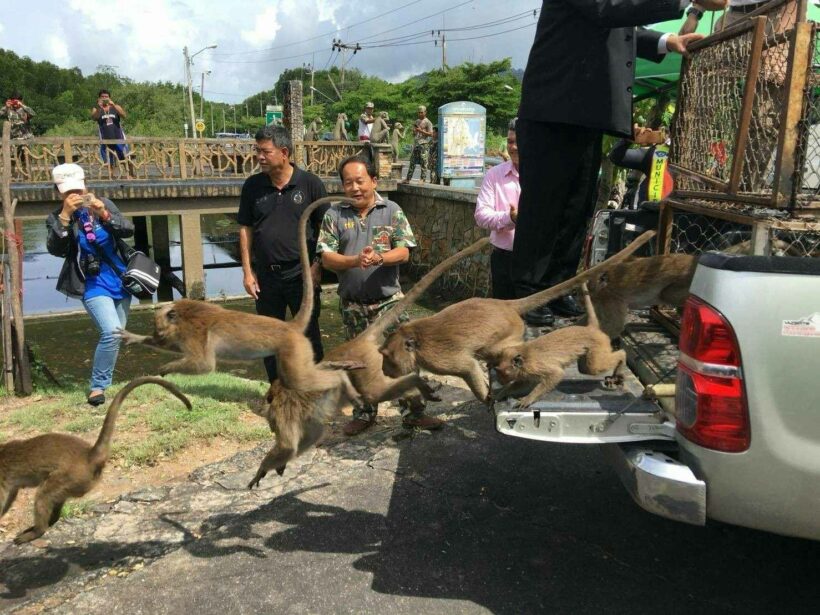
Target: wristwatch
[[694, 10]]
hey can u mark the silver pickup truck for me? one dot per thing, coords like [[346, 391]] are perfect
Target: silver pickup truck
[[740, 440]]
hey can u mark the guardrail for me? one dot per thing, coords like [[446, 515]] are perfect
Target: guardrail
[[169, 159]]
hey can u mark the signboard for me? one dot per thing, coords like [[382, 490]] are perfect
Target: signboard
[[200, 126], [462, 130], [273, 114]]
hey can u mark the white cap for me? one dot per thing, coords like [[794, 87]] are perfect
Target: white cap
[[68, 176], [368, 105]]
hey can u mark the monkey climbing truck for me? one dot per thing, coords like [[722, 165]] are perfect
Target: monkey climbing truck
[[735, 437]]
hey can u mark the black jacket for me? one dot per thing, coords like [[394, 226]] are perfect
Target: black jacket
[[64, 242], [582, 63]]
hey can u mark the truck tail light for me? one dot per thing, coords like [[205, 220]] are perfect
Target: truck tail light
[[710, 401]]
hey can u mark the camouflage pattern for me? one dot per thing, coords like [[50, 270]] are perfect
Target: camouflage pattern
[[433, 162], [402, 236], [356, 317], [421, 156], [18, 118]]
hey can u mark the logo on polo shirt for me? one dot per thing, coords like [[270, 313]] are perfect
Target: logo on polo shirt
[[298, 197]]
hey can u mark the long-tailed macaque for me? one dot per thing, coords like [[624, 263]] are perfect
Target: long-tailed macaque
[[61, 465], [453, 341], [640, 282], [542, 361], [204, 332], [297, 418]]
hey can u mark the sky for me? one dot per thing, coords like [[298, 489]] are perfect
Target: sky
[[257, 39]]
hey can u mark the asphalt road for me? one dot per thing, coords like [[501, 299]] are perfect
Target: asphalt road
[[461, 521]]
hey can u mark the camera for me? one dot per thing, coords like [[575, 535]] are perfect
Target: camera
[[91, 265], [84, 220]]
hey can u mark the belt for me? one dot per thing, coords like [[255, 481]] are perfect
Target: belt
[[370, 303], [747, 8], [283, 266]]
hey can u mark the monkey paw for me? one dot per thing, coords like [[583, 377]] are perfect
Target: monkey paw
[[255, 482], [127, 337], [27, 536]]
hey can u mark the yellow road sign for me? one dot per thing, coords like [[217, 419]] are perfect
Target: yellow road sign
[[200, 126]]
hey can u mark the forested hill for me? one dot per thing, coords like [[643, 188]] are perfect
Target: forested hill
[[62, 98]]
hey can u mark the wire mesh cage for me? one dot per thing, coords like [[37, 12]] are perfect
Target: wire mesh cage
[[738, 128], [693, 233]]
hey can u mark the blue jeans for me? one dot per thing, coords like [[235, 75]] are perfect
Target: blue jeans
[[108, 315]]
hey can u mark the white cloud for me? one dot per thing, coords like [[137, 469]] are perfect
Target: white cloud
[[144, 40]]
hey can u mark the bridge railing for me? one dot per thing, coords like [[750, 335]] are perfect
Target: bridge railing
[[141, 159]]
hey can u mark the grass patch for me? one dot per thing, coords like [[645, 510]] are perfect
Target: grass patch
[[153, 424], [37, 418], [76, 508]]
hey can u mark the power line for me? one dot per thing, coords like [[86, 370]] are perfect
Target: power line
[[410, 23], [453, 40], [318, 36], [481, 26]]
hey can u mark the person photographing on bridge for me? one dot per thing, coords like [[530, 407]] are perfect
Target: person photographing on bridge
[[85, 230]]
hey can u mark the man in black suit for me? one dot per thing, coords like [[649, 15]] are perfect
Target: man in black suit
[[577, 86]]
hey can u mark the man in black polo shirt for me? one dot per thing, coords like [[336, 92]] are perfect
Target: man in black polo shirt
[[269, 210]]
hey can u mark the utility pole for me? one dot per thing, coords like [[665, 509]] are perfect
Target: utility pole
[[343, 48], [202, 93], [310, 66], [190, 88], [233, 107], [439, 36], [223, 120], [189, 61]]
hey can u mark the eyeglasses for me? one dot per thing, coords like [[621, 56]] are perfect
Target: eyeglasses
[[264, 152]]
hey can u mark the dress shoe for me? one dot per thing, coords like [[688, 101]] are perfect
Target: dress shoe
[[357, 426], [422, 421], [567, 306], [540, 317]]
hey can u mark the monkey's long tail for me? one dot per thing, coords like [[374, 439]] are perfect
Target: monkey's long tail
[[540, 298], [302, 318], [101, 450], [388, 318], [592, 317]]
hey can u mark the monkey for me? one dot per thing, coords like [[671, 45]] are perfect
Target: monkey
[[62, 466], [453, 341], [314, 130], [542, 361], [380, 132], [640, 282], [397, 136], [340, 131], [204, 331], [297, 418]]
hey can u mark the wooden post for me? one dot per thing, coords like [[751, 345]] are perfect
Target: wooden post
[[8, 352], [23, 368], [161, 252], [190, 235], [183, 162], [752, 75]]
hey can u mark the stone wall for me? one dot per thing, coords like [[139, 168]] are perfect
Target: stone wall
[[442, 219]]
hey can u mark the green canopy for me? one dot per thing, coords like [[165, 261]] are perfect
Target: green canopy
[[652, 78]]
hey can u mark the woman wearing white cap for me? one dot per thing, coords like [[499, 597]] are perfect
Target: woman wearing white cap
[[84, 230]]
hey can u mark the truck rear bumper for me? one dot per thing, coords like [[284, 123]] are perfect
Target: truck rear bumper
[[658, 483]]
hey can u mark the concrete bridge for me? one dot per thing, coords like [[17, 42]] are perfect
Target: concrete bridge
[[168, 177]]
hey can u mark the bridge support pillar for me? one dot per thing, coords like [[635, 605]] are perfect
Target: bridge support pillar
[[192, 260], [161, 253]]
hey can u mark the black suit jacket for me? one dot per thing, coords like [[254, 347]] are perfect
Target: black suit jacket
[[582, 62]]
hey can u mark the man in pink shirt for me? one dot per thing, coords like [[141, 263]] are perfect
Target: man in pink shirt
[[497, 210]]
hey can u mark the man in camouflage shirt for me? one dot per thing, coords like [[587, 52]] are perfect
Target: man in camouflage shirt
[[18, 114], [422, 134], [364, 244]]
